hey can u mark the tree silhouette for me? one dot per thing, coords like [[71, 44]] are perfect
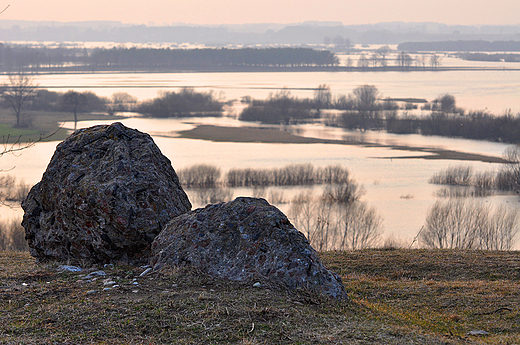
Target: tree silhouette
[[74, 102], [18, 92]]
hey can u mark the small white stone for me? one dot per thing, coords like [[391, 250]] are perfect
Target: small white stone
[[146, 271], [477, 333]]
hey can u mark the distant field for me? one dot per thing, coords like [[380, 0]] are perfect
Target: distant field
[[398, 297]]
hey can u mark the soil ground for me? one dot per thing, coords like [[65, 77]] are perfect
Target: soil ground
[[397, 296]]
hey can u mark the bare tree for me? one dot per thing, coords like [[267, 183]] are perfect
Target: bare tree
[[404, 60], [349, 62], [365, 98], [448, 103], [363, 61], [382, 52], [74, 102], [435, 61], [322, 97], [508, 177], [122, 101], [374, 60], [18, 92]]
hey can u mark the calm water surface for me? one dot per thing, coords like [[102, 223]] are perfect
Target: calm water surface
[[495, 90], [397, 188]]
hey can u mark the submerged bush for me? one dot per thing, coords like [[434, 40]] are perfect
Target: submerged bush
[[184, 103]]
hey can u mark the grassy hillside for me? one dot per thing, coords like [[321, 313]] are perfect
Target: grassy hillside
[[398, 297]]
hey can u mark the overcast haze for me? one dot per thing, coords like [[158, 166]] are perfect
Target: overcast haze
[[168, 12]]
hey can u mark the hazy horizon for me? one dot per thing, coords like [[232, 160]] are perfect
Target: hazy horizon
[[230, 12]]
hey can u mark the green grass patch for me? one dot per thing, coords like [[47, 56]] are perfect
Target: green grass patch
[[38, 124]]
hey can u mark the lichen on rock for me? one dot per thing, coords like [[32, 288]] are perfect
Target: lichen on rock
[[106, 194], [245, 240]]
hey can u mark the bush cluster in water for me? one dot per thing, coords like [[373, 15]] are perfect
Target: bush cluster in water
[[208, 176]]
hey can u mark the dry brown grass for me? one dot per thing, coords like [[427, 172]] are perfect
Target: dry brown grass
[[398, 297]]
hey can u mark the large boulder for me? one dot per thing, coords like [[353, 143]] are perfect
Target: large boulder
[[106, 194], [244, 240]]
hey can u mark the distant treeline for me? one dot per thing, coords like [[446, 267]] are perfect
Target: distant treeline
[[461, 46], [15, 58], [478, 125], [490, 57], [183, 103]]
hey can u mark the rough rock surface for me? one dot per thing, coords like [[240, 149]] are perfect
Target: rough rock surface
[[245, 240], [106, 194]]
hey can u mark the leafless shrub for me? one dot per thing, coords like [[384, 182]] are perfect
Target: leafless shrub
[[460, 175], [335, 226], [509, 176], [11, 191], [199, 176], [391, 242], [212, 195], [276, 197], [462, 225], [505, 181], [12, 236], [344, 193], [453, 225], [360, 226], [332, 174], [484, 180], [463, 192], [302, 213], [259, 192], [501, 230]]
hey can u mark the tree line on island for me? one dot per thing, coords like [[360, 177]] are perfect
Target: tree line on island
[[40, 59], [15, 58], [363, 109]]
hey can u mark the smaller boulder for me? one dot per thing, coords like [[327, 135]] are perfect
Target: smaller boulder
[[245, 240]]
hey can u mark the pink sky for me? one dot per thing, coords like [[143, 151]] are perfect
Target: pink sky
[[167, 12]]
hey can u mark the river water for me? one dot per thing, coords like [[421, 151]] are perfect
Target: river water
[[495, 90], [397, 188]]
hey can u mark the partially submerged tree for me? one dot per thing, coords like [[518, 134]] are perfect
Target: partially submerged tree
[[17, 92], [365, 98], [322, 97]]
